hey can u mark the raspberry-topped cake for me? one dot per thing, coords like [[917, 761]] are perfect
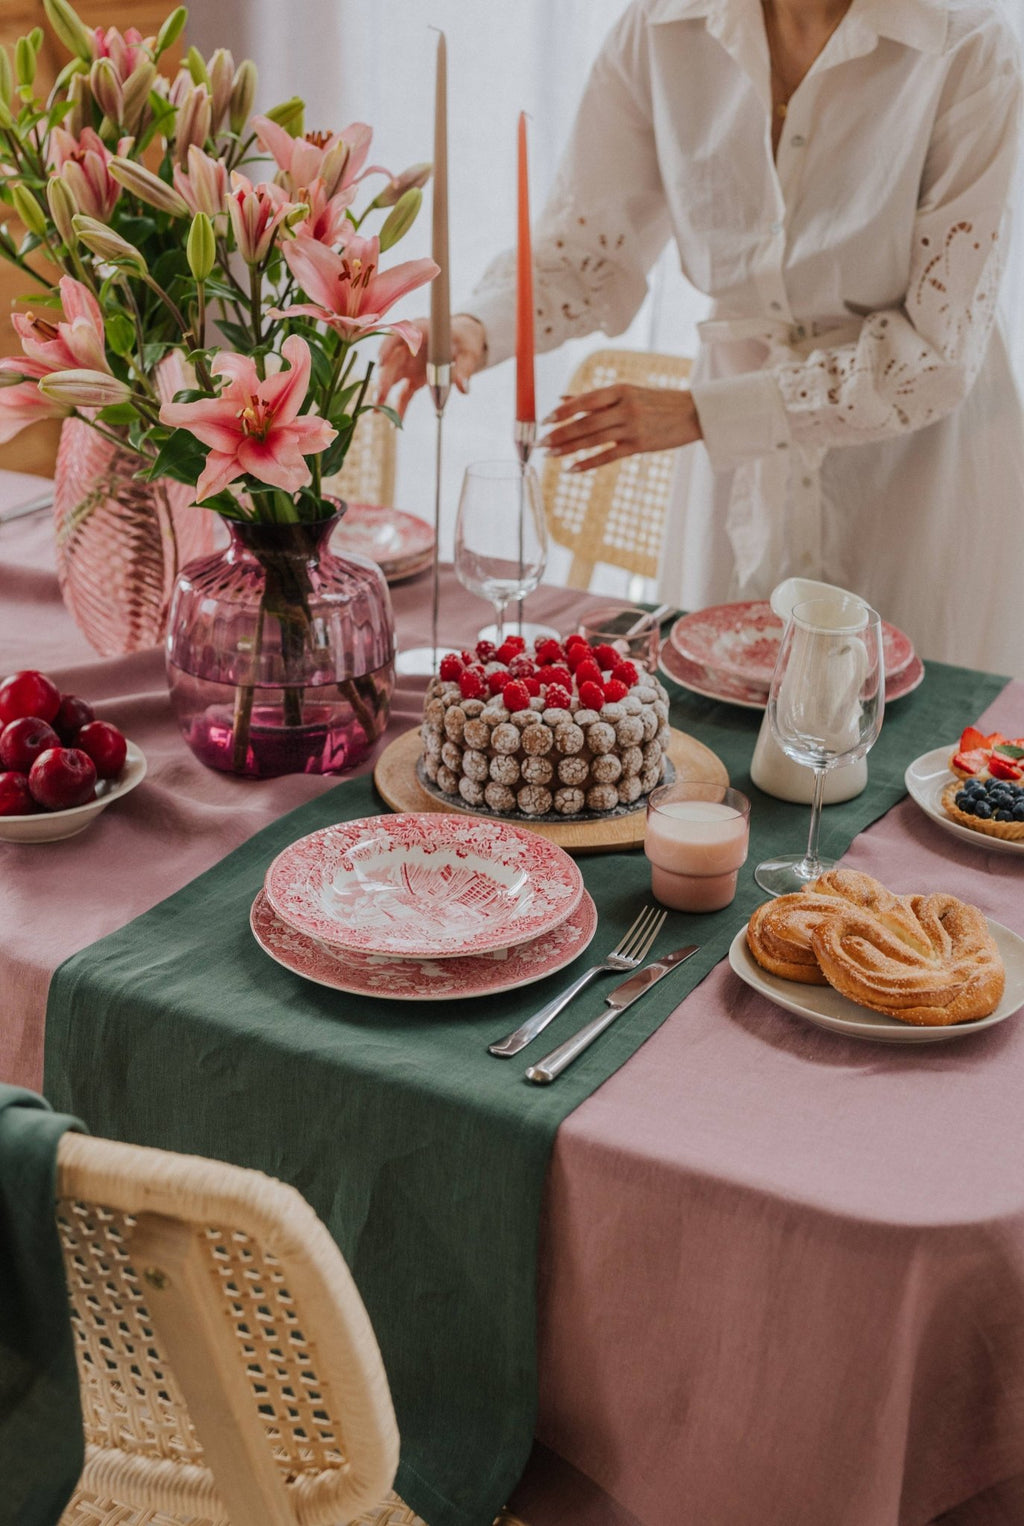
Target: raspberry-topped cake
[[568, 731]]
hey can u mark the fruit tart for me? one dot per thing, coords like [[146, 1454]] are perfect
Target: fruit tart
[[988, 757]]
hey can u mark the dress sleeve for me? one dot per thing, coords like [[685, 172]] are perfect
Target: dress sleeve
[[606, 219], [911, 364]]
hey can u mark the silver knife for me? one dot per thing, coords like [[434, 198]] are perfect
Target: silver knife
[[622, 997]]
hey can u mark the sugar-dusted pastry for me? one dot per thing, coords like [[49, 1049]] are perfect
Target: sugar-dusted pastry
[[779, 935]]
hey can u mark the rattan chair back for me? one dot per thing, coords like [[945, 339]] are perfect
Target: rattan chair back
[[614, 514], [367, 474], [228, 1369]]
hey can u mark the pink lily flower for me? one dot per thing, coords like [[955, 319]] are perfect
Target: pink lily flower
[[22, 403], [256, 211], [83, 163], [327, 222], [335, 158], [347, 292], [204, 186], [75, 344], [253, 426], [125, 50]]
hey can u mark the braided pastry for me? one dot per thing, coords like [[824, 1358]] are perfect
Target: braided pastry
[[927, 960]]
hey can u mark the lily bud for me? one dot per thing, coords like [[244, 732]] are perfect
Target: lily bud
[[196, 66], [14, 378], [201, 247], [6, 77], [6, 119], [81, 106], [147, 186], [221, 70], [24, 62], [105, 85], [70, 28], [61, 201], [289, 115], [243, 93], [36, 38], [101, 240], [411, 179], [401, 218], [136, 90], [195, 115], [84, 389], [170, 31], [29, 210]]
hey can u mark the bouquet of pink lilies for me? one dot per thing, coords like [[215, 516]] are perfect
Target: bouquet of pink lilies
[[166, 235]]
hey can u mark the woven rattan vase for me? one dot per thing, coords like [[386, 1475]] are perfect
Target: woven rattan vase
[[120, 542]]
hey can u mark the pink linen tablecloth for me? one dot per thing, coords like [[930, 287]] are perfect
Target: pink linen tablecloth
[[782, 1278]]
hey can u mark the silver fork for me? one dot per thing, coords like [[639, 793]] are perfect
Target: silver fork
[[630, 951]]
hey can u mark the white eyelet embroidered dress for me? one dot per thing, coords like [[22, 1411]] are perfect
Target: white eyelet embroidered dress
[[860, 420]]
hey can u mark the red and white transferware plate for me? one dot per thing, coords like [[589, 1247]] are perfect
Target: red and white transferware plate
[[733, 691], [502, 969], [738, 644], [399, 543], [423, 885]]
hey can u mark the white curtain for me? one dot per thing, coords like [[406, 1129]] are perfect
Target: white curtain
[[374, 62]]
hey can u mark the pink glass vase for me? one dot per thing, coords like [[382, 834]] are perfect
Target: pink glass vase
[[280, 654], [120, 541]]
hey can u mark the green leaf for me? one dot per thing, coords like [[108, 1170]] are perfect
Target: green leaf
[[117, 413], [120, 332], [153, 352], [181, 457], [1008, 750], [237, 334], [389, 413]]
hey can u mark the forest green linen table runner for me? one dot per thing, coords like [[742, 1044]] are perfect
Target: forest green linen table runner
[[423, 1154]]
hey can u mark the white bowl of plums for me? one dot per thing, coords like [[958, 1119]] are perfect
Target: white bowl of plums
[[59, 766]]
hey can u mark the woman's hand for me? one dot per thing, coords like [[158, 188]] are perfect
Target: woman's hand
[[625, 419], [398, 367]]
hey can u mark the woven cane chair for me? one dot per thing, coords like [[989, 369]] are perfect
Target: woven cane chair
[[367, 474], [615, 514]]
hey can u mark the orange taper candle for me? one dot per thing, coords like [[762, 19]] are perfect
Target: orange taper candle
[[439, 343], [526, 405]]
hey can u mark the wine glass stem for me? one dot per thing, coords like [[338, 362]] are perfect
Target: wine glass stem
[[499, 620], [811, 858]]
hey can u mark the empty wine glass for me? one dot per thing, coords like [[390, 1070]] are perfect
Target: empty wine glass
[[825, 707], [501, 542]]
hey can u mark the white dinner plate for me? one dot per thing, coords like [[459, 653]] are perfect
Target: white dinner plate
[[690, 675], [926, 778], [823, 1006], [54, 826], [475, 975]]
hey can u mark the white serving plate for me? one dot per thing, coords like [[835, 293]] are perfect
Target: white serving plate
[[423, 885], [423, 979], [690, 675], [926, 778], [54, 826], [823, 1006]]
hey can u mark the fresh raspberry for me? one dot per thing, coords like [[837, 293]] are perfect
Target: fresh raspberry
[[606, 656], [451, 667], [472, 685], [615, 690], [516, 695], [497, 679], [575, 654], [626, 673], [549, 650], [591, 694], [506, 652], [533, 684], [485, 650], [555, 673], [576, 639], [517, 643], [522, 667], [589, 672], [468, 658], [557, 697]]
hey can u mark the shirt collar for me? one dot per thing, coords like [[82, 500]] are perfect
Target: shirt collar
[[919, 24]]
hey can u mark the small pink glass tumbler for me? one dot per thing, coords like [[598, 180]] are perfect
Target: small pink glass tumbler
[[696, 839]]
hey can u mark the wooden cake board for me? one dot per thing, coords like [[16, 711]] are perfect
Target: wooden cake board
[[395, 778]]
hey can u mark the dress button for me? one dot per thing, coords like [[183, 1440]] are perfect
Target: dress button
[[798, 140]]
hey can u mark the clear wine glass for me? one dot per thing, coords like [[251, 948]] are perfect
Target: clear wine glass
[[501, 541], [825, 707]]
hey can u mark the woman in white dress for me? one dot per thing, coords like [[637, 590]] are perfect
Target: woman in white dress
[[835, 175]]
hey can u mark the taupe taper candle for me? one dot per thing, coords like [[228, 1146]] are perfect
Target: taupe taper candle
[[439, 344]]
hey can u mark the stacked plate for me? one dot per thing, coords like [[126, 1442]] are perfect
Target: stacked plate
[[399, 543], [728, 652], [423, 907]]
